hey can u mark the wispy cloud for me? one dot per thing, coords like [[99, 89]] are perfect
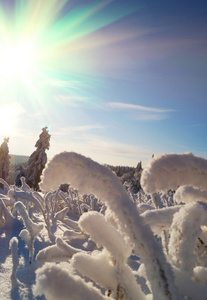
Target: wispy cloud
[[72, 129], [150, 117], [143, 113], [121, 105], [70, 100], [62, 83]]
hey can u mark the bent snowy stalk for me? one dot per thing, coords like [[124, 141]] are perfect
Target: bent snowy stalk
[[32, 230], [75, 168]]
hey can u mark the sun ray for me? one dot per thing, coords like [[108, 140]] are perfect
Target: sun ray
[[45, 41]]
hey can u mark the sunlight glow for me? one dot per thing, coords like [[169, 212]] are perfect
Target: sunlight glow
[[8, 119], [48, 50], [46, 41], [17, 60]]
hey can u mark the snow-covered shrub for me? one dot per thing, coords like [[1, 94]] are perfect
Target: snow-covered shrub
[[187, 174], [32, 229], [61, 251], [185, 229], [116, 276], [58, 283], [75, 169], [149, 245], [169, 171], [5, 216]]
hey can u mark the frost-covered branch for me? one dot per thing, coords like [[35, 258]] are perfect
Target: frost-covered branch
[[169, 171], [75, 168], [6, 186], [5, 216], [186, 194], [185, 229], [32, 229], [61, 251], [160, 219], [57, 283], [13, 245], [116, 276]]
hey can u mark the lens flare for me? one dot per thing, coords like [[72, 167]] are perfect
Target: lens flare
[[46, 44]]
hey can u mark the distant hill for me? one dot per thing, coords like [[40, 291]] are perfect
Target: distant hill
[[18, 159]]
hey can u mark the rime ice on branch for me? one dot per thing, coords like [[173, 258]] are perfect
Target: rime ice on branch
[[13, 245], [32, 229], [90, 177], [169, 171], [57, 283]]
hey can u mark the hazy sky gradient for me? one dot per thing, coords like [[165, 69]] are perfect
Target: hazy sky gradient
[[116, 80]]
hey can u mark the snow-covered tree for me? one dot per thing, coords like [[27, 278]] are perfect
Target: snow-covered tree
[[4, 159], [38, 159]]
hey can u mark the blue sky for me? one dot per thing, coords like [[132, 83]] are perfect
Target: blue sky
[[116, 80]]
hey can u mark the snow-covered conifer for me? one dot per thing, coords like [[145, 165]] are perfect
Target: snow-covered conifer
[[4, 159], [38, 159]]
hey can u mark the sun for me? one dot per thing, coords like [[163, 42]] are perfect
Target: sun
[[46, 44], [17, 60]]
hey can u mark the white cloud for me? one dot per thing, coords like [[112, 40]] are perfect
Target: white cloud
[[72, 129], [150, 117], [142, 113], [69, 100], [120, 105]]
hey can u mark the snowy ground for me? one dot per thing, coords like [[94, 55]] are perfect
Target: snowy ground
[[132, 247]]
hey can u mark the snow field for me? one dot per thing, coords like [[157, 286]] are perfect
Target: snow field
[[152, 245]]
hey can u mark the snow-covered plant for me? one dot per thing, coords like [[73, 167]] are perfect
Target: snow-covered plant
[[61, 251], [4, 186], [60, 215], [13, 245], [187, 174], [32, 229], [185, 229], [58, 283], [186, 194], [160, 219], [169, 171], [75, 168], [108, 267], [26, 197], [92, 202], [5, 215]]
